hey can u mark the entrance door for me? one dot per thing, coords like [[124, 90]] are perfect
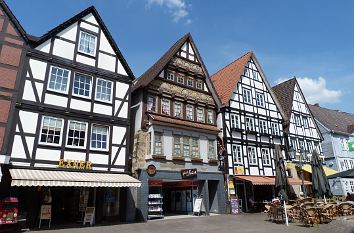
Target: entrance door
[[213, 197]]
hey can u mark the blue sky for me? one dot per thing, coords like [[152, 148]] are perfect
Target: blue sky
[[313, 40]]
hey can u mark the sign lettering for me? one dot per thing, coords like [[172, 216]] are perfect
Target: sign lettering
[[188, 173], [76, 164]]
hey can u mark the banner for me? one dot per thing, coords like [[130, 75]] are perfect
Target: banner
[[351, 146]]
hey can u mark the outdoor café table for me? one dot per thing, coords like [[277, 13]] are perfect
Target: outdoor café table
[[319, 211]]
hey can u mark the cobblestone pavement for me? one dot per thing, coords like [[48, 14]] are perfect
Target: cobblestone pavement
[[216, 224]]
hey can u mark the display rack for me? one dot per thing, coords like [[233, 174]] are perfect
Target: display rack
[[155, 200]]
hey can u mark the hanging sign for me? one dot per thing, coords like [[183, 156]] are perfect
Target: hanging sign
[[89, 215], [235, 208], [188, 173], [239, 170], [151, 170]]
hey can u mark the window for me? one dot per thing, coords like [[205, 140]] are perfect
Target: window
[[200, 114], [51, 130], [104, 90], [210, 116], [252, 157], [186, 147], [152, 103], [305, 121], [259, 99], [275, 128], [190, 82], [195, 147], [99, 137], [309, 147], [165, 106], [176, 145], [265, 156], [351, 164], [344, 144], [235, 121], [199, 85], [158, 144], [190, 112], [237, 154], [180, 79], [58, 79], [246, 72], [297, 120], [82, 85], [255, 75], [177, 109], [247, 96], [76, 134], [263, 126], [87, 43], [211, 149], [346, 164], [294, 144], [302, 145], [171, 76], [249, 124]]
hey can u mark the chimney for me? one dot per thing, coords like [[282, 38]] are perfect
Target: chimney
[[317, 104]]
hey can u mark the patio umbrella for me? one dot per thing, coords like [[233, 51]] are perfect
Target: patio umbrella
[[320, 184]]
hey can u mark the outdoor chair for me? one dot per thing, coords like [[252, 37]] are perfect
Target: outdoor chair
[[307, 205], [327, 213], [310, 216], [345, 208], [277, 213]]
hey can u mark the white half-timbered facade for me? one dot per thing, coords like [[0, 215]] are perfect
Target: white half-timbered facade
[[250, 116], [74, 100]]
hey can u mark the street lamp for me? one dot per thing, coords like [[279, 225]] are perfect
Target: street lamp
[[299, 156]]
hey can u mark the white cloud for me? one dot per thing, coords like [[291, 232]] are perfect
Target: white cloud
[[316, 90], [178, 8]]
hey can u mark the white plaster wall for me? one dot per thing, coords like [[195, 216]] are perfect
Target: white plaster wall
[[29, 121], [121, 69], [56, 100], [89, 27], [102, 109], [81, 156], [124, 111], [63, 49], [105, 45], [44, 47], [69, 32], [48, 154], [85, 60], [118, 134], [90, 18], [38, 69], [28, 93], [121, 89], [17, 148], [80, 105], [98, 158], [106, 62]]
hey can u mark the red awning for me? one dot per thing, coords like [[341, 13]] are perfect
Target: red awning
[[270, 180]]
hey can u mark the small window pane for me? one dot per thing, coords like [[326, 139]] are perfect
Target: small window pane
[[103, 90], [87, 43], [99, 137], [82, 85], [76, 134], [51, 130], [58, 79]]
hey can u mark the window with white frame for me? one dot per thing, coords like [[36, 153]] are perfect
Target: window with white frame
[[180, 79], [177, 145], [177, 109], [255, 75], [344, 144], [87, 43], [76, 134], [210, 116], [190, 112], [104, 90], [351, 183], [195, 147], [235, 121], [152, 101], [309, 147], [302, 145], [58, 79], [211, 149], [170, 76], [247, 96], [294, 144], [82, 85], [263, 126], [249, 124], [190, 82], [275, 128], [99, 137], [246, 73], [297, 120], [158, 146], [237, 154], [199, 85], [342, 165], [186, 147], [265, 156], [252, 156], [346, 164], [200, 114], [259, 99], [51, 130], [165, 106], [306, 122], [351, 164]]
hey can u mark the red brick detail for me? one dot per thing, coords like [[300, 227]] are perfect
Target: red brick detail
[[10, 55], [7, 94], [11, 30], [5, 109], [2, 135], [7, 78], [14, 41]]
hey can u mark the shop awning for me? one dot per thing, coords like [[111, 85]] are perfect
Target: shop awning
[[28, 177], [270, 180], [328, 171]]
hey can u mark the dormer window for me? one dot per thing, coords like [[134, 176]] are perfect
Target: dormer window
[[210, 116], [190, 82], [170, 76], [180, 79], [177, 110], [151, 103], [165, 106], [190, 112], [200, 114], [87, 43], [199, 85]]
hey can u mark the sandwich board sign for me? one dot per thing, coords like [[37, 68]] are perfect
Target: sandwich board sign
[[89, 215], [198, 206], [45, 214]]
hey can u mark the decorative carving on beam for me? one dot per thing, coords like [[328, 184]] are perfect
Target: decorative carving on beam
[[178, 62]]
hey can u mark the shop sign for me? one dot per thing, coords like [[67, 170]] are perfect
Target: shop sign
[[46, 212], [188, 173], [75, 164], [351, 146], [198, 206], [239, 170], [155, 182], [235, 208], [151, 170], [89, 215], [231, 187]]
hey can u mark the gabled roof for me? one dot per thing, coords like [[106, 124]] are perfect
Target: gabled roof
[[90, 10], [334, 120], [159, 65], [14, 20], [226, 79], [285, 94]]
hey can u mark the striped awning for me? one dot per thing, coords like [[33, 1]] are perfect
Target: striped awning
[[269, 180], [29, 177]]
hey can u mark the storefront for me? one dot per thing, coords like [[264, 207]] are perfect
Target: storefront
[[68, 194]]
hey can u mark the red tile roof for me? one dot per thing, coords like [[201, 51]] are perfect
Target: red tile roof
[[226, 79]]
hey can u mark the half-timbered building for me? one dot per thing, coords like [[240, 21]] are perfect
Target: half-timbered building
[[175, 136], [71, 123], [301, 132], [252, 122]]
